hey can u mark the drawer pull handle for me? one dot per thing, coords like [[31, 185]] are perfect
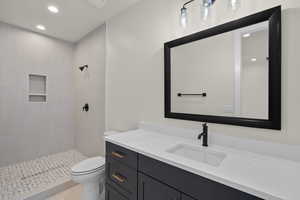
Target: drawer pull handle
[[117, 155], [119, 178]]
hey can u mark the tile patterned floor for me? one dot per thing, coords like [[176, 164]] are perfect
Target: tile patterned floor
[[23, 180]]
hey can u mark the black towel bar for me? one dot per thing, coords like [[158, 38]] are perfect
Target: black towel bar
[[202, 94]]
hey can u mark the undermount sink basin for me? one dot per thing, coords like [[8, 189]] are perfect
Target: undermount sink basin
[[199, 154]]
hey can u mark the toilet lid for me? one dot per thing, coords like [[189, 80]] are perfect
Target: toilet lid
[[89, 165]]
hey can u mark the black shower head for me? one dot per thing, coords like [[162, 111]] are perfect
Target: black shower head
[[82, 67]]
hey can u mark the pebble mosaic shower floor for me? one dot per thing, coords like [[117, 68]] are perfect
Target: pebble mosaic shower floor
[[23, 180]]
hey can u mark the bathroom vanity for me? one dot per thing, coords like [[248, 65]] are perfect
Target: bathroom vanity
[[130, 175], [171, 164]]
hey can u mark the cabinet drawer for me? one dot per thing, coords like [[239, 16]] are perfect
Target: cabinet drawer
[[122, 177], [112, 194], [122, 154]]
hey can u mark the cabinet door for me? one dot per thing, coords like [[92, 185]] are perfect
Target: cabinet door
[[150, 189], [184, 197], [112, 194]]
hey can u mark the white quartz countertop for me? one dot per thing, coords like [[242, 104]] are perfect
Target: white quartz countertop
[[266, 177]]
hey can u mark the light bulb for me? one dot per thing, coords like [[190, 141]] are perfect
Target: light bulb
[[205, 8], [234, 4], [205, 11], [183, 17], [208, 3]]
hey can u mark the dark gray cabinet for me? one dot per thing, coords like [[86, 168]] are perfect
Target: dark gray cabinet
[[188, 183], [121, 173], [133, 176], [149, 189], [112, 194], [184, 197]]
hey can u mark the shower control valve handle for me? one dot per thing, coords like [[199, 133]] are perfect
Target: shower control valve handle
[[86, 107]]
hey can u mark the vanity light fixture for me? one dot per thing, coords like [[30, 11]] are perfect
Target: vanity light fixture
[[208, 3], [234, 4], [183, 17], [205, 8], [41, 27], [253, 59], [53, 9], [183, 14]]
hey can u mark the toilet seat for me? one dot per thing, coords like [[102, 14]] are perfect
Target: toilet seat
[[88, 172], [88, 166]]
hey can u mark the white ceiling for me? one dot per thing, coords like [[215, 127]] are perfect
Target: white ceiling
[[75, 19]]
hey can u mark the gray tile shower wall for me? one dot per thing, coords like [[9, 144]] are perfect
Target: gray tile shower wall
[[33, 129], [90, 88]]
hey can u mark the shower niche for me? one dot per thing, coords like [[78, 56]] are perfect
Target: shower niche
[[37, 88]]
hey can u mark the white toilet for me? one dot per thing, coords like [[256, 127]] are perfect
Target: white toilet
[[91, 174]]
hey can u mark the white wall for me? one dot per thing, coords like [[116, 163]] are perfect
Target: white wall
[[193, 71], [135, 70], [29, 130], [90, 88]]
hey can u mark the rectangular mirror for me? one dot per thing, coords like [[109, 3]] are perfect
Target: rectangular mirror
[[229, 74]]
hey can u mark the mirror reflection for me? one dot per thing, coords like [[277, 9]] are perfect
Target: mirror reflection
[[223, 75]]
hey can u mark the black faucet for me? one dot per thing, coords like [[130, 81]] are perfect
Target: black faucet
[[204, 134]]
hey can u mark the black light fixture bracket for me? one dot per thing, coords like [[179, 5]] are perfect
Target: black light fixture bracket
[[205, 3], [185, 4]]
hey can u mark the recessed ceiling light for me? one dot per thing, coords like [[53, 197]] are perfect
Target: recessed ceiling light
[[246, 35], [41, 27], [253, 59], [53, 9]]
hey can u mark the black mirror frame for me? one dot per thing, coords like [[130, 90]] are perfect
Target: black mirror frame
[[272, 15]]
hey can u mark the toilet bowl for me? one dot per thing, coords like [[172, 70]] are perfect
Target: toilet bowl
[[90, 173]]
